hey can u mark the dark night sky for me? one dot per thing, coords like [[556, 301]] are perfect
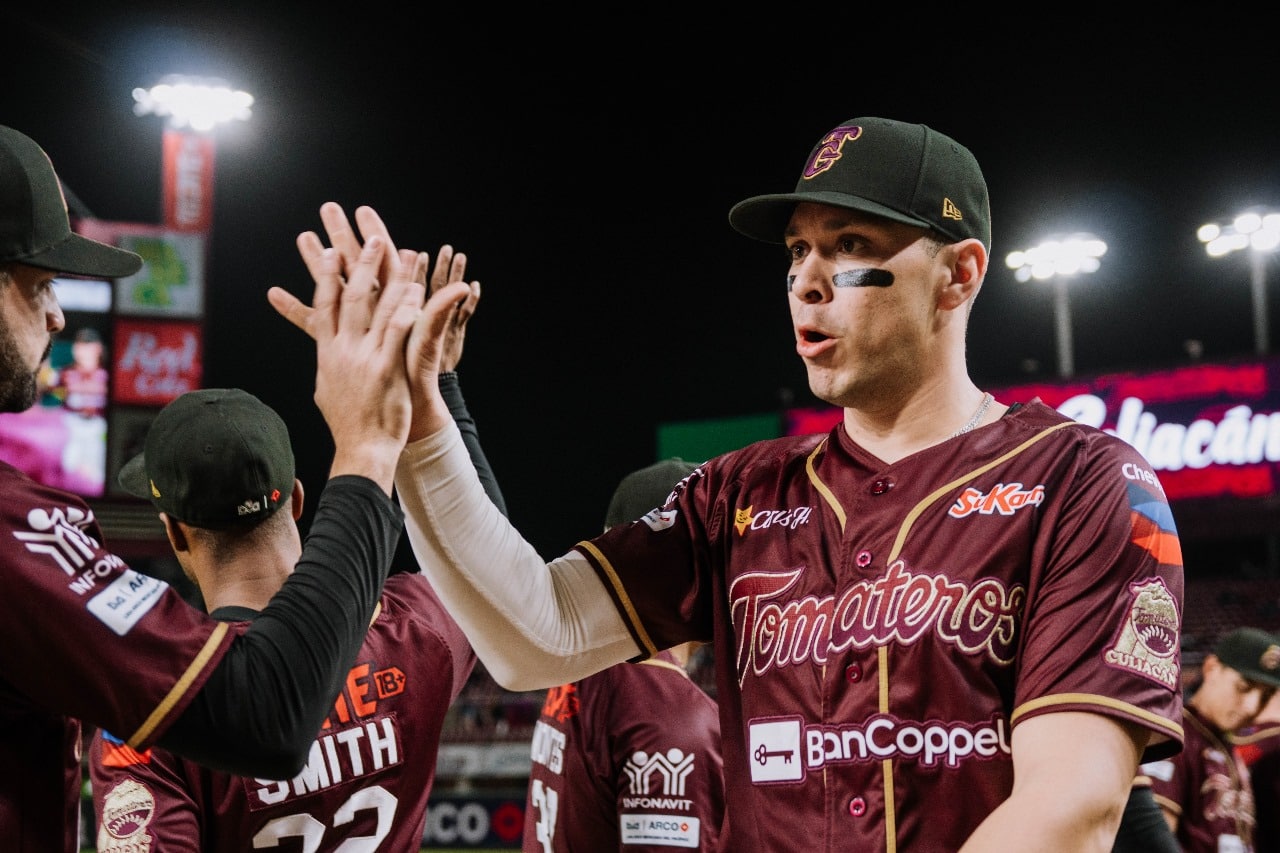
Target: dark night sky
[[587, 168]]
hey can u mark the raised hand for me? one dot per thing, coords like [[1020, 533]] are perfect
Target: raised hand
[[437, 336], [360, 322], [452, 267]]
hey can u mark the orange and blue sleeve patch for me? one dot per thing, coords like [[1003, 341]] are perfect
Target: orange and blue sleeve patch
[[1152, 526], [117, 753]]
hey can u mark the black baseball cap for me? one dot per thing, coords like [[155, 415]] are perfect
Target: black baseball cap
[[34, 226], [214, 458], [908, 173], [645, 489], [1252, 652]]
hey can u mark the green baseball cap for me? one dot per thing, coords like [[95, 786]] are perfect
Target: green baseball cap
[[908, 173], [34, 226], [214, 458], [1253, 653], [645, 489]]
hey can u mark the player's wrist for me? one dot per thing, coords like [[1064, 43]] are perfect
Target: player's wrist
[[374, 460]]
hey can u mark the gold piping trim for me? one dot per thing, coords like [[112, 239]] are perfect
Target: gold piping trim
[[920, 507], [1167, 726], [181, 687], [650, 648], [826, 493]]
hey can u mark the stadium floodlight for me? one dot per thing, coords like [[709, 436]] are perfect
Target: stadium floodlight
[[200, 103], [1258, 231], [1059, 259]]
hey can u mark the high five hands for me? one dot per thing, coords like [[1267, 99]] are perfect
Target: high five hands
[[356, 283]]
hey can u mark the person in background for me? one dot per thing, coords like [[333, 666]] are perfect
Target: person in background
[[628, 759], [1204, 791], [1258, 745], [85, 640], [83, 386], [939, 604], [373, 765]]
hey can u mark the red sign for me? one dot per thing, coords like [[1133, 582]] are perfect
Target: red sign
[[188, 180], [154, 362]]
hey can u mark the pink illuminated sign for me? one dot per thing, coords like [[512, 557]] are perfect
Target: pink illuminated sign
[[1208, 430]]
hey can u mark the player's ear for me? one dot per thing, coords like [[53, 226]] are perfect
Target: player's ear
[[177, 536], [966, 262], [296, 499]]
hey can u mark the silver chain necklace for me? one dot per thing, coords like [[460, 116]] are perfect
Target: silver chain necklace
[[977, 416]]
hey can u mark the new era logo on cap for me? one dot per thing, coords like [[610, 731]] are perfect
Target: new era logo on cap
[[904, 172]]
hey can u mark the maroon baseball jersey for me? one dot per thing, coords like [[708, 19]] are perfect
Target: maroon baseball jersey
[[879, 629], [627, 759], [73, 620], [1259, 747], [366, 784], [1207, 786]]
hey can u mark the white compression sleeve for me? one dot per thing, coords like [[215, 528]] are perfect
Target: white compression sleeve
[[533, 624]]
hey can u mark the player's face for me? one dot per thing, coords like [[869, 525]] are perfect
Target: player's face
[[29, 317], [1227, 698], [863, 304]]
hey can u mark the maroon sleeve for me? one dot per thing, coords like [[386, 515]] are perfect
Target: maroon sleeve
[[76, 610], [141, 799], [1103, 616]]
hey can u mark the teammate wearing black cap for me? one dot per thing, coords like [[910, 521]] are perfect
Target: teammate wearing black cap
[[950, 623], [85, 638], [1205, 791]]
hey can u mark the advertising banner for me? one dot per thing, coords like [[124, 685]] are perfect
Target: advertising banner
[[155, 362], [187, 187], [171, 282], [1208, 430]]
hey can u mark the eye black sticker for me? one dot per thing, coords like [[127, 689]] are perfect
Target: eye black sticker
[[869, 277]]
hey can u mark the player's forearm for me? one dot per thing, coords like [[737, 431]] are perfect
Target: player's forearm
[[451, 392], [533, 624], [1035, 833]]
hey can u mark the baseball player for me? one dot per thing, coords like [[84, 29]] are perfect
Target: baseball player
[[628, 759], [1205, 791], [83, 637], [371, 769], [1258, 745], [944, 595]]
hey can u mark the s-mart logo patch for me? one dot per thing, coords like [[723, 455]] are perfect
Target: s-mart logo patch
[[1003, 499]]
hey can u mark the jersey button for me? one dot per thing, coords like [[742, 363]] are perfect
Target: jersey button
[[863, 559], [857, 807], [879, 487], [853, 673]]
